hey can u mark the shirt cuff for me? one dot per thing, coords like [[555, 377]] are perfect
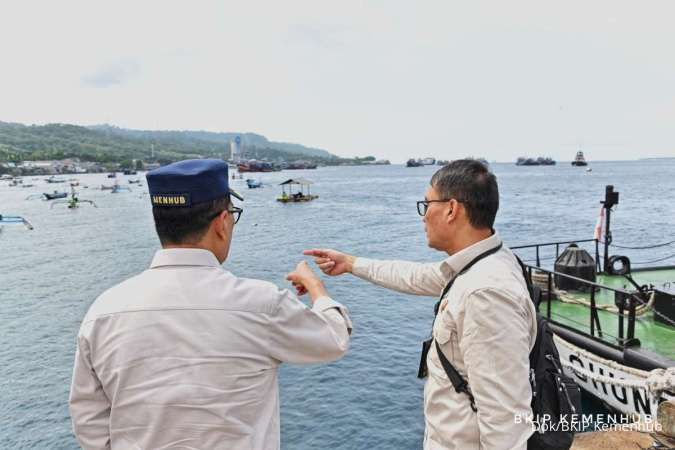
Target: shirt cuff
[[361, 267], [326, 303]]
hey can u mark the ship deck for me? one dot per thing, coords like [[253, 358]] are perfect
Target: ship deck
[[657, 337]]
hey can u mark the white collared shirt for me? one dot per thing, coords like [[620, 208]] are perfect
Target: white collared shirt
[[185, 355], [486, 327]]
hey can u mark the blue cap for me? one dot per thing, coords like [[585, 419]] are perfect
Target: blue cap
[[189, 182]]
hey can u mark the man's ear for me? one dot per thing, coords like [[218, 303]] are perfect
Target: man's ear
[[452, 209], [220, 224]]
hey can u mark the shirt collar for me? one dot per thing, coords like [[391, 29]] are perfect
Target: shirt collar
[[454, 263], [184, 257]]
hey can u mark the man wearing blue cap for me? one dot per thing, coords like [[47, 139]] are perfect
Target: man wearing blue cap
[[185, 354]]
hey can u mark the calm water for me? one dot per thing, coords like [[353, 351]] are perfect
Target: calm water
[[371, 398]]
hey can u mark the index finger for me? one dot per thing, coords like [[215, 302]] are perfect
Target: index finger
[[322, 253]]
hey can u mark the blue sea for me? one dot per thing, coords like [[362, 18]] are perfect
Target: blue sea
[[371, 398]]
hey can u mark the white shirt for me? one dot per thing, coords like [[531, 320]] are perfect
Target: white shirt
[[486, 327], [185, 355]]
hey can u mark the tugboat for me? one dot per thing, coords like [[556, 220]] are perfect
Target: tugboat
[[614, 325], [579, 159]]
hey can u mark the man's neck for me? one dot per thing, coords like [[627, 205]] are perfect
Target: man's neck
[[467, 237], [198, 245]]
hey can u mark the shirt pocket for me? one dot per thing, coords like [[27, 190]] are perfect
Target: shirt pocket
[[445, 333]]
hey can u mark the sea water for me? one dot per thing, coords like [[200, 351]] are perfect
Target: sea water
[[369, 399]]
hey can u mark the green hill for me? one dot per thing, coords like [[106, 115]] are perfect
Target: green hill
[[109, 144]]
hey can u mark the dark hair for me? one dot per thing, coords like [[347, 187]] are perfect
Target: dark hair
[[471, 183], [186, 225]]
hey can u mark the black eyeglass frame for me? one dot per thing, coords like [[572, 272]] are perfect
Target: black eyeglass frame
[[423, 205], [234, 210]]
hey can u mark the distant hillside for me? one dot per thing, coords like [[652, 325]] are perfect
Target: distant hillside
[[111, 144], [247, 139]]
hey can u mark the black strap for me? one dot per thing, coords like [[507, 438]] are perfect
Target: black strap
[[464, 270], [459, 383]]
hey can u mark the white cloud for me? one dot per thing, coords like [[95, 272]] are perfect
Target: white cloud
[[116, 73]]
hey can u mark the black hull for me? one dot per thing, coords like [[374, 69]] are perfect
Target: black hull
[[635, 357]]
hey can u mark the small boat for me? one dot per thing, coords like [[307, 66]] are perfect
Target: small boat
[[54, 195], [579, 159], [253, 184], [117, 189], [112, 175], [442, 162], [134, 181], [414, 163], [4, 219], [73, 202], [129, 172], [429, 161], [300, 195], [53, 179]]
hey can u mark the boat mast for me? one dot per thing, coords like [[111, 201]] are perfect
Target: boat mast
[[611, 199]]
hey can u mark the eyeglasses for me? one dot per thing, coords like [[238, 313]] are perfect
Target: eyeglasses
[[423, 205], [234, 210]]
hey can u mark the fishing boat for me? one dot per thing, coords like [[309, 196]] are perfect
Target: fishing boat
[[579, 159], [298, 196], [5, 219], [54, 195], [74, 201], [614, 324], [256, 166]]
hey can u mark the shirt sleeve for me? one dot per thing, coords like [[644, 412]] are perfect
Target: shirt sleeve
[[403, 276], [302, 335], [495, 345], [89, 406]]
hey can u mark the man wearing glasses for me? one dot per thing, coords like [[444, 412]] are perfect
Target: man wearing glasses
[[485, 325], [185, 354]]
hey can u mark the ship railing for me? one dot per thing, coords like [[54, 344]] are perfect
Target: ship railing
[[540, 250], [626, 309]]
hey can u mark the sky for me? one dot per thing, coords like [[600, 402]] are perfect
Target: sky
[[392, 79]]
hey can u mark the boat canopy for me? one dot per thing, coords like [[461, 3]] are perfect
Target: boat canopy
[[300, 181]]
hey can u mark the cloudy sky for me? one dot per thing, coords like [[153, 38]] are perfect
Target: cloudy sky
[[395, 79]]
